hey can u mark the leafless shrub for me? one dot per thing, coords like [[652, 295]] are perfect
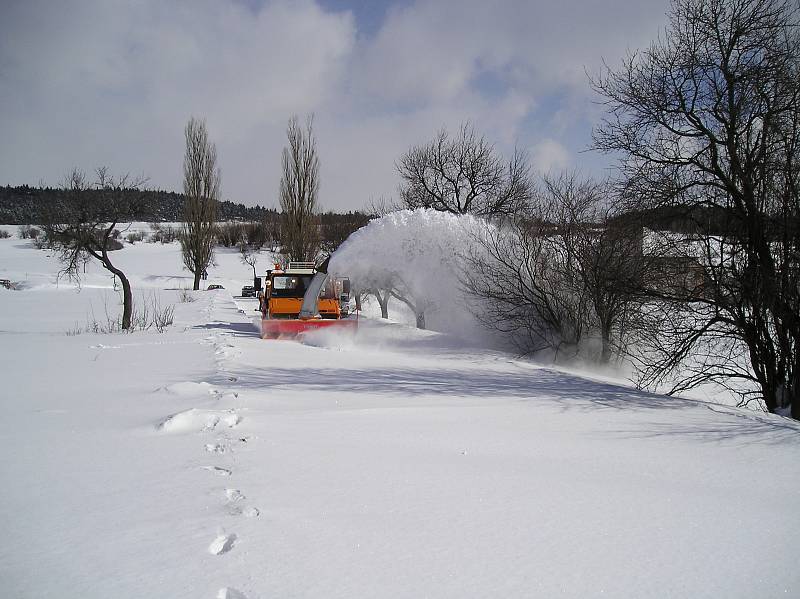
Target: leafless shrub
[[134, 236], [28, 232], [4, 234], [230, 234], [162, 316], [565, 276], [162, 233], [146, 313], [256, 235], [185, 296], [45, 240], [381, 206]]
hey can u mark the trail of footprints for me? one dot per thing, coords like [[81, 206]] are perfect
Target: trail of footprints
[[222, 447], [234, 500]]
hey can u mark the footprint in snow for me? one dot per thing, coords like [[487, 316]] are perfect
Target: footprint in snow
[[248, 512], [222, 544], [234, 495], [216, 448], [218, 471], [199, 419], [230, 593]]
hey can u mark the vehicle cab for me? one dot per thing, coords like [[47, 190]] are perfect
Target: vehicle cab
[[285, 288]]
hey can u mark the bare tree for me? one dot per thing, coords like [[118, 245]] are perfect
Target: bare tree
[[518, 291], [249, 257], [299, 187], [230, 234], [567, 272], [84, 230], [391, 285], [708, 119], [614, 269], [254, 234], [464, 175], [272, 227], [381, 206], [201, 181], [336, 228], [602, 253]]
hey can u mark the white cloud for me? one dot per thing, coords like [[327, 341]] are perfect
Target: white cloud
[[111, 82], [549, 155]]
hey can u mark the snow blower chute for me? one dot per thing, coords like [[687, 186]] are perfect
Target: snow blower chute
[[301, 298]]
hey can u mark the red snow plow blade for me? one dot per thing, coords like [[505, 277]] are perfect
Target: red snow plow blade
[[276, 328]]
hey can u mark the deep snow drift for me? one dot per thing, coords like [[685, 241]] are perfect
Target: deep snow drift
[[205, 462]]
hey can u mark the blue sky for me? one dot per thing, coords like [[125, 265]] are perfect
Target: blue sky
[[369, 15], [107, 82]]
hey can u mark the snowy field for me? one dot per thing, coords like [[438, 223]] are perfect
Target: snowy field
[[205, 462]]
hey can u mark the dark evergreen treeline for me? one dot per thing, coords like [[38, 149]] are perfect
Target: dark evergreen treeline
[[25, 205], [31, 205]]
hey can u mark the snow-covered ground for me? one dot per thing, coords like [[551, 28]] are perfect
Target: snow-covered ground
[[205, 462]]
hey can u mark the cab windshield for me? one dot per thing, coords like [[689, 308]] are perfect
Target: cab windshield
[[290, 285]]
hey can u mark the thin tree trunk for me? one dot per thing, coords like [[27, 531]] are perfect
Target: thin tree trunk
[[196, 281], [794, 389], [383, 302], [605, 355], [127, 302], [127, 295]]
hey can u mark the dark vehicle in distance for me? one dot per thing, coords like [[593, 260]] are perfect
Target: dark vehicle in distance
[[248, 291], [212, 287]]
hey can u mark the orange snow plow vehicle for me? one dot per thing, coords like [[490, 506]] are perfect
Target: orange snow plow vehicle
[[302, 297]]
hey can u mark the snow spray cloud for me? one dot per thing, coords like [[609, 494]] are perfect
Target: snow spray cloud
[[419, 254]]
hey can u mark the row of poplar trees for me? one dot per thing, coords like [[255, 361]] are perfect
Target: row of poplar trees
[[299, 188]]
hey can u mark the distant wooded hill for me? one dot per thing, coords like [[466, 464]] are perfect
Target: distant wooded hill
[[30, 205]]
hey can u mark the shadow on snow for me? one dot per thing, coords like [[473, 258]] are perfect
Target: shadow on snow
[[236, 329]]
